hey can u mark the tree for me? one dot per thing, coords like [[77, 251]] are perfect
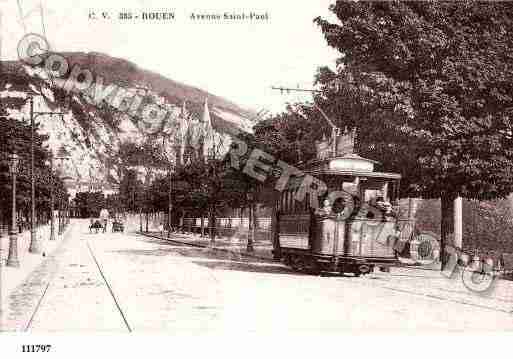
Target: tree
[[487, 225], [145, 156], [90, 204], [436, 80], [289, 136], [130, 190], [16, 137]]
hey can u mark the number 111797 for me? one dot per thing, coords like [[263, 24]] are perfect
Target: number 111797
[[38, 348]]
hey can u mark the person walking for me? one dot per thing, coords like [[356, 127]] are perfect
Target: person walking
[[104, 216]]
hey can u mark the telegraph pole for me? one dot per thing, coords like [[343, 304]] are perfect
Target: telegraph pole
[[35, 246], [52, 204], [335, 131], [289, 89], [170, 201]]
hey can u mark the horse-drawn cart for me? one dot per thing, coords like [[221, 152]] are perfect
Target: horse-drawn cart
[[95, 225], [118, 226]]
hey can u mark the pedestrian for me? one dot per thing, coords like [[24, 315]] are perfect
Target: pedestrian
[[161, 229], [104, 215]]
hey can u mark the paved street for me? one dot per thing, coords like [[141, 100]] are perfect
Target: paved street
[[126, 282]]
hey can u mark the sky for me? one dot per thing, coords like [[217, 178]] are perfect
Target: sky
[[239, 60]]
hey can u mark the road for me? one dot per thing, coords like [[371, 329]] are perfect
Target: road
[[118, 282]]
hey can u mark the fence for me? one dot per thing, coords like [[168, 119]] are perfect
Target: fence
[[228, 227]]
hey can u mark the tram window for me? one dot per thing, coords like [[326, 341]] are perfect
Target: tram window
[[350, 187], [297, 205], [376, 191], [372, 195]]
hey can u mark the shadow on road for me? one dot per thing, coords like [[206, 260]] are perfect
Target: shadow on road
[[244, 266], [209, 258], [218, 259]]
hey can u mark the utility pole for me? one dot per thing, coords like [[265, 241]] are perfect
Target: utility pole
[[289, 89], [170, 201], [335, 131], [35, 245], [52, 201], [12, 259]]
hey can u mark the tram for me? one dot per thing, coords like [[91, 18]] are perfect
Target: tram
[[356, 226]]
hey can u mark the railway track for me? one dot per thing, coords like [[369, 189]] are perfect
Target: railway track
[[109, 287], [42, 300]]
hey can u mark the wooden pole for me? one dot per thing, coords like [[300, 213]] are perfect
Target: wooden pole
[[35, 246]]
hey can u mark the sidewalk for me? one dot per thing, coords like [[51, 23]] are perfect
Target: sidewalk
[[237, 246], [11, 277]]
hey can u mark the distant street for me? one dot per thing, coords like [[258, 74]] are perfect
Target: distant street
[[126, 282]]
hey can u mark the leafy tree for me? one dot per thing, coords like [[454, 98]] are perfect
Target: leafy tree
[[16, 137], [487, 225], [434, 81], [146, 156], [291, 135], [90, 204], [130, 190]]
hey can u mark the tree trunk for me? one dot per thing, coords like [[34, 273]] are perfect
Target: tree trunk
[[212, 224], [202, 229], [275, 238], [446, 227], [140, 221], [252, 227], [458, 223], [182, 216]]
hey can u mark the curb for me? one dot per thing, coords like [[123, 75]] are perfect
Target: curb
[[197, 245]]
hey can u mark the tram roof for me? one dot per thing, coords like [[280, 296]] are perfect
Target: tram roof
[[349, 164], [295, 182]]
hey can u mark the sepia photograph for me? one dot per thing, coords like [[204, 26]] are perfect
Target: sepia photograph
[[266, 168]]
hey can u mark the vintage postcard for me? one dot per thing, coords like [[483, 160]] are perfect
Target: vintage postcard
[[267, 167]]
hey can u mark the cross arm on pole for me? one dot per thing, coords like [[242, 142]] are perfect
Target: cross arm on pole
[[335, 129]]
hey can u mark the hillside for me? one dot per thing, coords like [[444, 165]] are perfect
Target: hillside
[[92, 132]]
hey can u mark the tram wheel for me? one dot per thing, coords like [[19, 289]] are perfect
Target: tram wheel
[[313, 267], [297, 263], [286, 260]]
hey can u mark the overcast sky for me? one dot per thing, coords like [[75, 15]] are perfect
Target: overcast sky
[[239, 60]]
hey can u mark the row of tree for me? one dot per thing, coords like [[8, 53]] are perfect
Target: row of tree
[[15, 137], [205, 187]]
